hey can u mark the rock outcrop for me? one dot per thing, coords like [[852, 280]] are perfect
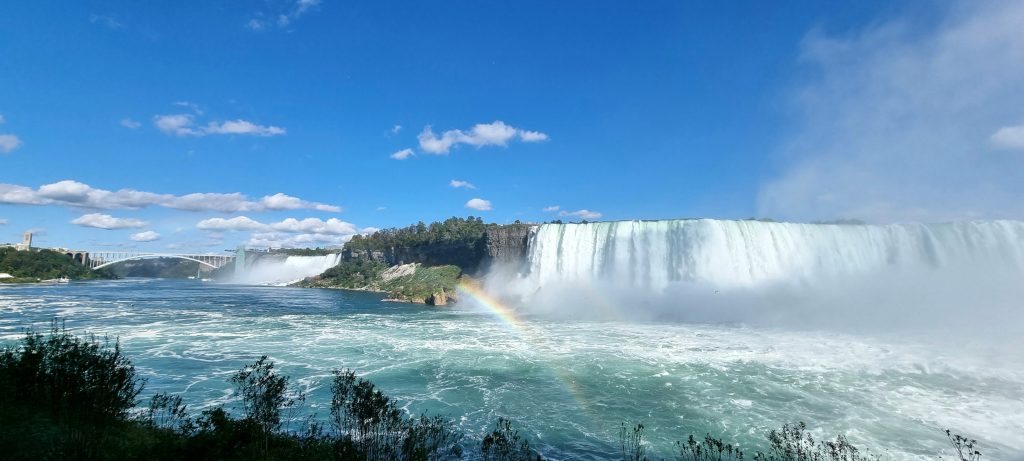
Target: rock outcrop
[[439, 298], [507, 244]]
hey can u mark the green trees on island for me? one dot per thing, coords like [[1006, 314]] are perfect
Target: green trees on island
[[467, 232], [66, 397]]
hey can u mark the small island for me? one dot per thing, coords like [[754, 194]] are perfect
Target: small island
[[423, 263]]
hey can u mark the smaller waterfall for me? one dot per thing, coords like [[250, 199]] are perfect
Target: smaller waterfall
[[280, 272]]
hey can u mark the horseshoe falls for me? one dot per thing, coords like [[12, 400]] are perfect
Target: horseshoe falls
[[744, 271], [726, 254]]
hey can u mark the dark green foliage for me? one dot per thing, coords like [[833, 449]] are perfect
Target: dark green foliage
[[795, 443], [264, 394], [433, 438], [168, 412], [632, 442], [709, 449], [63, 396], [465, 231], [424, 282], [318, 251], [355, 273], [455, 241], [505, 444], [380, 430], [366, 274], [45, 264], [966, 449], [69, 378]]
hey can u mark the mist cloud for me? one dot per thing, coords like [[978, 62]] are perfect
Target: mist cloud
[[904, 124]]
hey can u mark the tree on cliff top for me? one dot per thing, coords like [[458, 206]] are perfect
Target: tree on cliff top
[[452, 231]]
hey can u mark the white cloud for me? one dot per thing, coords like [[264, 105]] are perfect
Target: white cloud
[[330, 226], [293, 233], [279, 240], [237, 223], [176, 124], [584, 214], [242, 127], [551, 208], [200, 201], [185, 125], [394, 130], [9, 142], [457, 184], [190, 105], [74, 193], [283, 17], [482, 134], [281, 201], [1009, 137], [147, 236], [479, 204], [129, 123], [3, 222], [19, 195], [402, 154], [532, 136], [381, 208], [105, 221], [898, 120]]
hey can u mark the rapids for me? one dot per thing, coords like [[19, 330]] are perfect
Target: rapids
[[566, 384]]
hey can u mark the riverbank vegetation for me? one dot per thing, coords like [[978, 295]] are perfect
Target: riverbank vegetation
[[38, 265], [68, 397], [410, 283], [425, 284]]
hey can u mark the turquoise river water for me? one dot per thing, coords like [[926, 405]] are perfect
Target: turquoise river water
[[567, 384]]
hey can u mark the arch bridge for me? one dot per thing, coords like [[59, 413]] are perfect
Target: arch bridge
[[97, 260]]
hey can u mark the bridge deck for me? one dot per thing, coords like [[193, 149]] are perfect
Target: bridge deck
[[101, 259]]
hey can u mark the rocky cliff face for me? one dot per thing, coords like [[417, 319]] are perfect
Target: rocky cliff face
[[507, 244]]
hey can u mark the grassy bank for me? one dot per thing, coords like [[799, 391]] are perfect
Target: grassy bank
[[66, 397], [411, 283]]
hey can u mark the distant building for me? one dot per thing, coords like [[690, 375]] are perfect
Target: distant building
[[26, 242]]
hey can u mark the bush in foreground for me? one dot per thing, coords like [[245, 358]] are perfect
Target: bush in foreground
[[65, 397]]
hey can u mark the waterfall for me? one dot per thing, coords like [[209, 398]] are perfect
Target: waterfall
[[277, 271], [747, 254]]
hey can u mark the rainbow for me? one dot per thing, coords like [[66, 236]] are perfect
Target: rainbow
[[495, 307], [508, 317]]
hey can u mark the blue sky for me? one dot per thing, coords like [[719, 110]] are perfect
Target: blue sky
[[290, 114]]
